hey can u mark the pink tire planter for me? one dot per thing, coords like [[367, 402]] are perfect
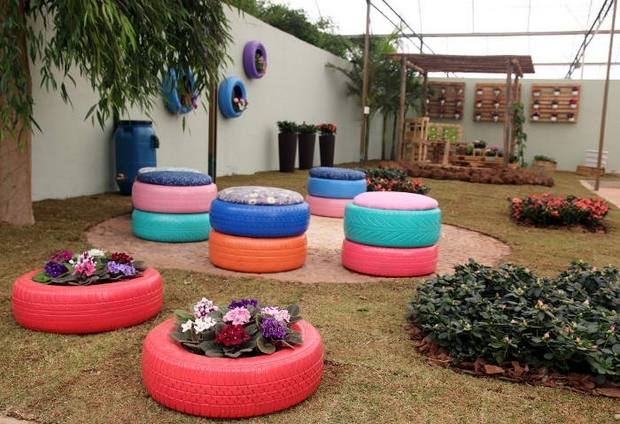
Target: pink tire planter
[[86, 309], [173, 199], [389, 261], [323, 206], [226, 387]]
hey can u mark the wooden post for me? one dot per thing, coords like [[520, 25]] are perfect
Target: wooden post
[[402, 112], [601, 138], [212, 135], [364, 130], [508, 117]]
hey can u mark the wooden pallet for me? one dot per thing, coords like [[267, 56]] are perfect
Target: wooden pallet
[[445, 100], [556, 103], [490, 102], [589, 171]]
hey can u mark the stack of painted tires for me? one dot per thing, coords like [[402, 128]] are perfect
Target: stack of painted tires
[[331, 189], [258, 229], [172, 205], [391, 234]]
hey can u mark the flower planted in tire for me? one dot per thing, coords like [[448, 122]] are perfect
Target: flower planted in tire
[[244, 328], [387, 179], [92, 266]]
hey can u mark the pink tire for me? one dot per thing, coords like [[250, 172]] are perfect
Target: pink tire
[[323, 206], [173, 199], [389, 261]]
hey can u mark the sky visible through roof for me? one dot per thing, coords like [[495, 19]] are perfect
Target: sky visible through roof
[[458, 16]]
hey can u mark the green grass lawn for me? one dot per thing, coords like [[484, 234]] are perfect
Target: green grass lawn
[[372, 373]]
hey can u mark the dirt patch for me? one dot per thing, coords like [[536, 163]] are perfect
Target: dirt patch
[[325, 236]]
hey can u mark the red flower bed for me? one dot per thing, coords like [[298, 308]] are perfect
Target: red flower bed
[[548, 210]]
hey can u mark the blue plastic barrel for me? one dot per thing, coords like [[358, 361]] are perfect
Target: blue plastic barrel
[[135, 143]]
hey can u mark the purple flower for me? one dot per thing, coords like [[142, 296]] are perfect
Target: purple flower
[[62, 256], [273, 329], [118, 268], [54, 269], [242, 303]]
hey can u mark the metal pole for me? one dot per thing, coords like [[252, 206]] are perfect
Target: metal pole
[[601, 140], [365, 108], [212, 135], [401, 108]]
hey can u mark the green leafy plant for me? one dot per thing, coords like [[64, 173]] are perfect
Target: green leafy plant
[[287, 127], [393, 179], [568, 323], [243, 328], [306, 128], [519, 137], [544, 158]]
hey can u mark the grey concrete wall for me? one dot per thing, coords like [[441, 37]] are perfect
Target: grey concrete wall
[[72, 157], [564, 142]]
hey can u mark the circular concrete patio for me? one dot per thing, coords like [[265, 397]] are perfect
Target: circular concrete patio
[[325, 237]]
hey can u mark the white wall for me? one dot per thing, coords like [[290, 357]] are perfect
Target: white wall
[[72, 157], [565, 142]]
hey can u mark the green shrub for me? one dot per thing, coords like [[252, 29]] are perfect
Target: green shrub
[[393, 179], [568, 323], [544, 158], [287, 127], [306, 128]]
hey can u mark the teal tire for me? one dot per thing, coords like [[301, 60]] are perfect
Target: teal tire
[[170, 227], [392, 228]]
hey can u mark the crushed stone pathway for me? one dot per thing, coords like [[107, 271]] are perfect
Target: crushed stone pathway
[[325, 236]]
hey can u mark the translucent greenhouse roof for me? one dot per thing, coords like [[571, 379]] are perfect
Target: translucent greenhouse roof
[[484, 16]]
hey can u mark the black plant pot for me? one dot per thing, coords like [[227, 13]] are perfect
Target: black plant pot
[[327, 145], [306, 150], [287, 150]]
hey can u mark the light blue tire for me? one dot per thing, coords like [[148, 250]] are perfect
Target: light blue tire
[[392, 228], [335, 189], [170, 227]]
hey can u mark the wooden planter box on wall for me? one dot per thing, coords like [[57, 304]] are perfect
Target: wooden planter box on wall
[[445, 100], [557, 103], [490, 102]]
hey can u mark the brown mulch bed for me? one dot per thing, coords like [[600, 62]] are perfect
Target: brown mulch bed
[[512, 371]]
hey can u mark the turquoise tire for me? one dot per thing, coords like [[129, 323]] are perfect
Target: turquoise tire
[[170, 227], [392, 228]]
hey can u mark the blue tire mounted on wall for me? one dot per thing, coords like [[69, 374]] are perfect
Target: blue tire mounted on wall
[[172, 100], [229, 88], [335, 189], [170, 227], [259, 220], [135, 143]]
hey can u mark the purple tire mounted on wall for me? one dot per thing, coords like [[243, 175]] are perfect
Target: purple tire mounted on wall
[[249, 53]]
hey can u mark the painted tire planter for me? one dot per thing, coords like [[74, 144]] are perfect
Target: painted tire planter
[[259, 220], [250, 51], [173, 199], [388, 261], [229, 88], [172, 100], [86, 309], [324, 206], [339, 189], [226, 387], [257, 255], [169, 227]]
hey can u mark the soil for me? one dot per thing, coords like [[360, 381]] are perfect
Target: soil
[[325, 236]]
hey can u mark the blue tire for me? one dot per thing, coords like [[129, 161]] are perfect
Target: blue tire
[[225, 96], [335, 189], [392, 228], [259, 221], [170, 227]]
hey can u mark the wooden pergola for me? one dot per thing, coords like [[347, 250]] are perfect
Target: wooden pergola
[[498, 64]]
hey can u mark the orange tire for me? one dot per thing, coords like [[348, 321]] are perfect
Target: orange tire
[[257, 255]]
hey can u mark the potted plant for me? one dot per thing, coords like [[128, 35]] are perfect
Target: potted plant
[[491, 154], [573, 103], [307, 140], [287, 145], [480, 144], [555, 104], [497, 91], [478, 116], [556, 91], [469, 151], [327, 143], [479, 92], [535, 116], [536, 93], [554, 117], [544, 163], [495, 116], [536, 104], [575, 91], [479, 103], [570, 116]]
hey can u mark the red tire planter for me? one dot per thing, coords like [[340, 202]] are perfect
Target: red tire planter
[[226, 387], [389, 261], [324, 206], [173, 199], [86, 309]]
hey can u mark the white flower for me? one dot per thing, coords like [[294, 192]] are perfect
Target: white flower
[[203, 324], [187, 325], [271, 200], [96, 252], [278, 314]]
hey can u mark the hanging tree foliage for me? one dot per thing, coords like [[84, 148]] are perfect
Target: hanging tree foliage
[[121, 47]]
